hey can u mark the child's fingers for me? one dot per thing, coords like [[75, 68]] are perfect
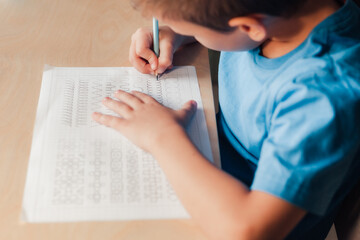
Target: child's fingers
[[144, 97], [107, 120], [120, 108], [133, 101], [186, 112], [166, 56], [140, 64], [143, 51]]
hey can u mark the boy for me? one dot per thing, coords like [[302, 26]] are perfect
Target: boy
[[289, 121]]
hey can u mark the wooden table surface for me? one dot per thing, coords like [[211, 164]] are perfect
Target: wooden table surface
[[86, 33]]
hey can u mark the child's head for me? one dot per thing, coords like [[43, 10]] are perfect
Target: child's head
[[213, 21], [216, 14]]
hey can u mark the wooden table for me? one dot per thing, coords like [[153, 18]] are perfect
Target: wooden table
[[89, 33]]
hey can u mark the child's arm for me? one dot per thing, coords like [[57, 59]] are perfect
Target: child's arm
[[221, 205], [144, 59]]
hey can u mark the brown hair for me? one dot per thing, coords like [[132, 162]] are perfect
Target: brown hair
[[215, 14]]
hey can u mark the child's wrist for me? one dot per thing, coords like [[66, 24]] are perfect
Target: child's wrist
[[167, 138]]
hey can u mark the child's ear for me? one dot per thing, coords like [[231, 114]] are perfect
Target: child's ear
[[250, 25]]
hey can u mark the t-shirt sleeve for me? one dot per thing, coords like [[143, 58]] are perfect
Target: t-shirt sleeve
[[307, 152]]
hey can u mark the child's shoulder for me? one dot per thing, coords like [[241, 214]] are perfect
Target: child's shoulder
[[328, 60]]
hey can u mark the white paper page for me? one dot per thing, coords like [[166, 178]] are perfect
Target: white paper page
[[82, 171]]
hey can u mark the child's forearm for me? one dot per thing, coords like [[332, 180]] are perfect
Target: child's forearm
[[209, 195]]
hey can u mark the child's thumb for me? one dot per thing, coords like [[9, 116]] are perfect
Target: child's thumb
[[187, 111]]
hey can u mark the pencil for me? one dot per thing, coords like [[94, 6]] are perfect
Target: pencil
[[156, 40]]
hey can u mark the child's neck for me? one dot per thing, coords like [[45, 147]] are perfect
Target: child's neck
[[282, 37]]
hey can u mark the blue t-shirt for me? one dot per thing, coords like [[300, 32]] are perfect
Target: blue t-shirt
[[297, 117]]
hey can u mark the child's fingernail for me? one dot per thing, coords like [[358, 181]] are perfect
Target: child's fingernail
[[153, 66]]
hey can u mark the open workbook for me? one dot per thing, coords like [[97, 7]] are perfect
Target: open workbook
[[82, 171]]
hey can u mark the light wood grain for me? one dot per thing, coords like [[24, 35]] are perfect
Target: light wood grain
[[84, 33]]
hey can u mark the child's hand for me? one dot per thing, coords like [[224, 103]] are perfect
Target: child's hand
[[142, 56], [143, 120]]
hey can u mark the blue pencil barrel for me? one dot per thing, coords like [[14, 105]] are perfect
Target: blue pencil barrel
[[156, 36]]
